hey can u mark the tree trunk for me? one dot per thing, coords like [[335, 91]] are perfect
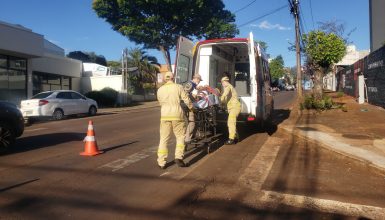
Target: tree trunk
[[166, 55], [318, 83]]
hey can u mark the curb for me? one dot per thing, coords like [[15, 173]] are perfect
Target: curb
[[128, 109], [328, 147]]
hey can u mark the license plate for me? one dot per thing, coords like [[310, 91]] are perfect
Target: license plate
[[26, 113]]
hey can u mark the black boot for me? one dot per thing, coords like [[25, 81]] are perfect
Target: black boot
[[230, 142]]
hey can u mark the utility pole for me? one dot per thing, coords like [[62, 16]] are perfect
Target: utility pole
[[295, 11]]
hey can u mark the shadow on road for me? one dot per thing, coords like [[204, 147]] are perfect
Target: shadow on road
[[95, 203], [244, 131], [44, 140], [118, 146], [70, 117]]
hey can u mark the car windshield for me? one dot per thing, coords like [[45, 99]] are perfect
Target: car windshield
[[42, 95]]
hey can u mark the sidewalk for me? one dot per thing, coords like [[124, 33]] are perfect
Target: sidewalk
[[358, 133], [134, 106]]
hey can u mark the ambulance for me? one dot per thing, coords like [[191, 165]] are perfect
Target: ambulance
[[242, 60]]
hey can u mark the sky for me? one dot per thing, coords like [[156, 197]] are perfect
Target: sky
[[73, 25]]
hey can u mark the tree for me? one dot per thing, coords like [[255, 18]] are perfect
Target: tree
[[276, 66], [322, 50], [115, 67], [158, 24], [78, 55], [88, 57], [263, 44], [337, 28], [147, 68], [114, 64]]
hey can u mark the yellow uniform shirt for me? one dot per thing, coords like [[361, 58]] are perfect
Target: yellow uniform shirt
[[169, 97], [230, 97]]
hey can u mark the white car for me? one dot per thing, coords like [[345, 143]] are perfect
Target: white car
[[57, 104]]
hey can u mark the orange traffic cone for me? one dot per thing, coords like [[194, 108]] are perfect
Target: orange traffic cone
[[90, 147]]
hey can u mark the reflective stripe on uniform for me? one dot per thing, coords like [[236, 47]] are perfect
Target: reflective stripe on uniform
[[180, 146], [162, 152], [170, 118]]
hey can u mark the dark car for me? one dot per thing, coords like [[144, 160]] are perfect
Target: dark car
[[11, 124]]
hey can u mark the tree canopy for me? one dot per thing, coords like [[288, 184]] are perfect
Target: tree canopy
[[147, 69], [324, 49], [158, 24], [277, 67], [263, 44], [88, 57]]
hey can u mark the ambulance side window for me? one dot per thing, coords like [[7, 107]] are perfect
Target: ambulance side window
[[183, 69]]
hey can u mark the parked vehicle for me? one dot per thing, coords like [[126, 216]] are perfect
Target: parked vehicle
[[243, 61], [290, 88], [11, 124], [57, 104]]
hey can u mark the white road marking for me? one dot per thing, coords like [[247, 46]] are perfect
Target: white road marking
[[165, 173], [35, 129], [133, 158], [323, 205], [259, 168]]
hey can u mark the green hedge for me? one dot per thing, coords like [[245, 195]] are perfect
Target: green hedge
[[106, 97]]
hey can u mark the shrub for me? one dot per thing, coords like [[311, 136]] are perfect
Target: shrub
[[340, 94], [311, 102], [328, 102], [105, 98], [308, 103]]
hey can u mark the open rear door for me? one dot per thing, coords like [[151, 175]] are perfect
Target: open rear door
[[183, 60], [253, 76]]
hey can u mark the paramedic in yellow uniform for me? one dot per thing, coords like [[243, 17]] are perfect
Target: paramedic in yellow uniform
[[230, 99], [172, 119]]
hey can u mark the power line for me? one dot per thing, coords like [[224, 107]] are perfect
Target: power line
[[302, 18], [311, 12], [265, 15], [244, 7]]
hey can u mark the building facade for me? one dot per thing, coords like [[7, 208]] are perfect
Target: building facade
[[377, 24], [352, 55], [30, 64]]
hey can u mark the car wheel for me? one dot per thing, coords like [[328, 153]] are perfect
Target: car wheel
[[7, 136], [58, 114], [92, 111]]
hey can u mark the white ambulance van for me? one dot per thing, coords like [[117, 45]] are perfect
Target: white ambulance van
[[242, 59]]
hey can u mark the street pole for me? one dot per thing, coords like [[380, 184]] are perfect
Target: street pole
[[297, 48]]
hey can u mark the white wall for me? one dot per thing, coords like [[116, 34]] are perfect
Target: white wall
[[58, 65], [352, 55], [94, 69], [100, 82], [115, 82]]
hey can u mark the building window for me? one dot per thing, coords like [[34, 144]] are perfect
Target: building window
[[48, 82], [13, 76]]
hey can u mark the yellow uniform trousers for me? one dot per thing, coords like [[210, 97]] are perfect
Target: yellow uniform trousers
[[166, 130], [232, 122], [190, 130]]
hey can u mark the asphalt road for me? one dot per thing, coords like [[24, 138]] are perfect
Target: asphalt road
[[44, 177]]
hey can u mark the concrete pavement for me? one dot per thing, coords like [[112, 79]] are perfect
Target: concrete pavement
[[358, 133]]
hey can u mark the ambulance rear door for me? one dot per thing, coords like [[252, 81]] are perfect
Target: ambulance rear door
[[184, 60]]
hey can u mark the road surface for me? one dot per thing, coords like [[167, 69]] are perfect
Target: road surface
[[44, 177]]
